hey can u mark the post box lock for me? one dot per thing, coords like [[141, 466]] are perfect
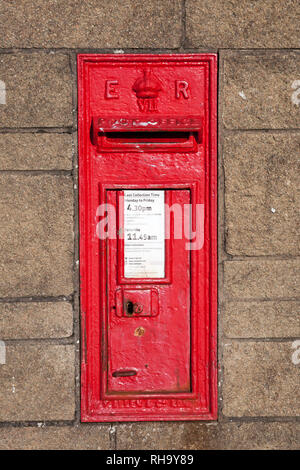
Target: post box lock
[[136, 303], [147, 203], [133, 308]]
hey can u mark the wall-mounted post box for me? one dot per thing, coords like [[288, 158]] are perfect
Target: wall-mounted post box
[[147, 202]]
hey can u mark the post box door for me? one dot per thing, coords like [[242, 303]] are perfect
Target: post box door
[[147, 206], [149, 295]]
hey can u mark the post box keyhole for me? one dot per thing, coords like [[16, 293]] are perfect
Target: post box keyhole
[[129, 308]]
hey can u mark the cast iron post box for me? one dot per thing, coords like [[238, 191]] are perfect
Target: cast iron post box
[[148, 261]]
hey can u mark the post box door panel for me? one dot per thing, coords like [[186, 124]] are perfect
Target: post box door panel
[[148, 258], [149, 324]]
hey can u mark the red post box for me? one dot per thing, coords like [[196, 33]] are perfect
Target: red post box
[[148, 252]]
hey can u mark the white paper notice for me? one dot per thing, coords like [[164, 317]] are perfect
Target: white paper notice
[[144, 234]]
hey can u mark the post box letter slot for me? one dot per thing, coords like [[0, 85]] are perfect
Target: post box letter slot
[[146, 136], [147, 141]]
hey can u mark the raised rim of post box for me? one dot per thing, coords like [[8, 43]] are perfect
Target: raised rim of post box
[[89, 341]]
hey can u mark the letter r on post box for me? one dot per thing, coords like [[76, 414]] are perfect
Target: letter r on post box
[[181, 89]]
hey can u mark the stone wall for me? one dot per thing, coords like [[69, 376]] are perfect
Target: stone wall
[[259, 282]]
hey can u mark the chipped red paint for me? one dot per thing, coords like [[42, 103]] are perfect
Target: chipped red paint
[[148, 345]]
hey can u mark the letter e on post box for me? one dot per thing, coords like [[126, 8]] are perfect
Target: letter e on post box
[[148, 231]]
